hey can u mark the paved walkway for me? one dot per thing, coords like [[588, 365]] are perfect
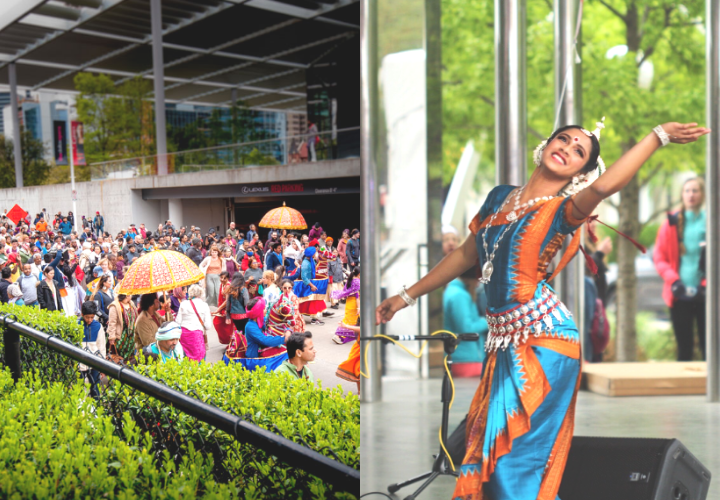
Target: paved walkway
[[329, 354], [399, 434]]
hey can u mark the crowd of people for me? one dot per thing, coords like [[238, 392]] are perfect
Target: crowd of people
[[260, 289]]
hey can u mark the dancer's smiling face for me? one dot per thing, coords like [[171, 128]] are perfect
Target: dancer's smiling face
[[568, 153]]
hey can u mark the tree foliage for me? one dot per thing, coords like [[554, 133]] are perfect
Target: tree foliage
[[643, 64], [119, 121], [35, 168]]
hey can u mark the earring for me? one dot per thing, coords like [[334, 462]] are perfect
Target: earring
[[537, 154]]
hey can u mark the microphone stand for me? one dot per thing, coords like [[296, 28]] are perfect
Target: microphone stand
[[441, 465]]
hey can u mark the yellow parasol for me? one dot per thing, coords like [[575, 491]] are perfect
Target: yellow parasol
[[283, 218], [159, 271]]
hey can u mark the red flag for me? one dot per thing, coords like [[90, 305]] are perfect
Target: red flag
[[16, 214]]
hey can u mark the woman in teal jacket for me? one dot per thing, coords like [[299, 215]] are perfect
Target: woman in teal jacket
[[461, 315]]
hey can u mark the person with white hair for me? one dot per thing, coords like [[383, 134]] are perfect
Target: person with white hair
[[195, 321], [167, 344], [15, 295]]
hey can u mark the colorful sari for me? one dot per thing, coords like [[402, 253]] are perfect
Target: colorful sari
[[352, 310], [520, 423], [125, 345]]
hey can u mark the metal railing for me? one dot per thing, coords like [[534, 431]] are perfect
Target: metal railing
[[278, 151], [58, 360]]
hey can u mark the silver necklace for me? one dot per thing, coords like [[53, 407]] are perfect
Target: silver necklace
[[487, 268]]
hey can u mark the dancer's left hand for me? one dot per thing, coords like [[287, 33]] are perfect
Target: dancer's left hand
[[683, 133]]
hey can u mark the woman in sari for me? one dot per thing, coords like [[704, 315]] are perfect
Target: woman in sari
[[195, 321], [223, 328], [281, 314], [520, 423], [351, 294], [122, 315], [350, 368], [263, 350]]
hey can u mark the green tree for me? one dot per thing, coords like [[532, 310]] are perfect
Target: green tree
[[35, 168], [119, 121], [98, 108], [666, 35]]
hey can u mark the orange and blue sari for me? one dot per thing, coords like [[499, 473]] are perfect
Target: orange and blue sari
[[520, 423]]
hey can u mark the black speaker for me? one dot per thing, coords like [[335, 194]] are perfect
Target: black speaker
[[632, 469]]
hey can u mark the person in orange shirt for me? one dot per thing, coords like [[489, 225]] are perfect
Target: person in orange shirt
[[41, 226]]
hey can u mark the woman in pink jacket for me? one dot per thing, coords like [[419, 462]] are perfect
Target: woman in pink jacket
[[680, 261]]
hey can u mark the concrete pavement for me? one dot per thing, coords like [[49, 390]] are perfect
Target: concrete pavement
[[329, 354]]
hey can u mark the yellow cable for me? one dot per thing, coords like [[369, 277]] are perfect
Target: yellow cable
[[447, 370], [452, 398], [418, 355]]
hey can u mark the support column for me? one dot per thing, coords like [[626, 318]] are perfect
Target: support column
[[17, 133], [159, 86], [510, 93], [712, 203], [435, 197], [568, 109], [175, 212], [370, 389]]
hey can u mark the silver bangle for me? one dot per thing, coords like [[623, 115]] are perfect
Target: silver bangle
[[662, 135], [404, 295]]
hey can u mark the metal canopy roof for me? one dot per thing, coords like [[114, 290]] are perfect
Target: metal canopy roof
[[259, 47]]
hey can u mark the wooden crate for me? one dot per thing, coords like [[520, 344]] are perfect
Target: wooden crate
[[645, 379]]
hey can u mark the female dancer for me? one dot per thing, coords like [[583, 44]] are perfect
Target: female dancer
[[520, 422], [351, 293]]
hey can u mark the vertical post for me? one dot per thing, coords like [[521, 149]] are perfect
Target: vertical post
[[370, 389], [11, 338], [159, 86], [17, 133], [71, 155], [510, 93], [712, 203], [233, 121], [568, 108], [435, 198]]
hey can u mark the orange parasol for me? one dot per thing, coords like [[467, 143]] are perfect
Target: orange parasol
[[283, 218], [159, 271]]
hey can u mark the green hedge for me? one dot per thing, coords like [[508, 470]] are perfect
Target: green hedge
[[327, 421], [54, 444], [322, 419]]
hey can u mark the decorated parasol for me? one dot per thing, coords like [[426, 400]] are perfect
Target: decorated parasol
[[283, 218], [159, 271]]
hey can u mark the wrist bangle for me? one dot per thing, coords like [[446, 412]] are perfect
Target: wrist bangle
[[404, 295], [662, 135]]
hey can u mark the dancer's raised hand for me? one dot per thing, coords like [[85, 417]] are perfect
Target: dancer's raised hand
[[683, 133]]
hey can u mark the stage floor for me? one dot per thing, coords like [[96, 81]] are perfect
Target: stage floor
[[400, 434]]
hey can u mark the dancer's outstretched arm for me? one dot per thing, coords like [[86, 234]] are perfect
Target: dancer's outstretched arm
[[619, 174], [452, 266]]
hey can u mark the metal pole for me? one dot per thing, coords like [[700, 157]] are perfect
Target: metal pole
[[571, 281], [370, 389], [159, 86], [17, 149], [11, 338], [510, 93], [72, 173], [712, 203]]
